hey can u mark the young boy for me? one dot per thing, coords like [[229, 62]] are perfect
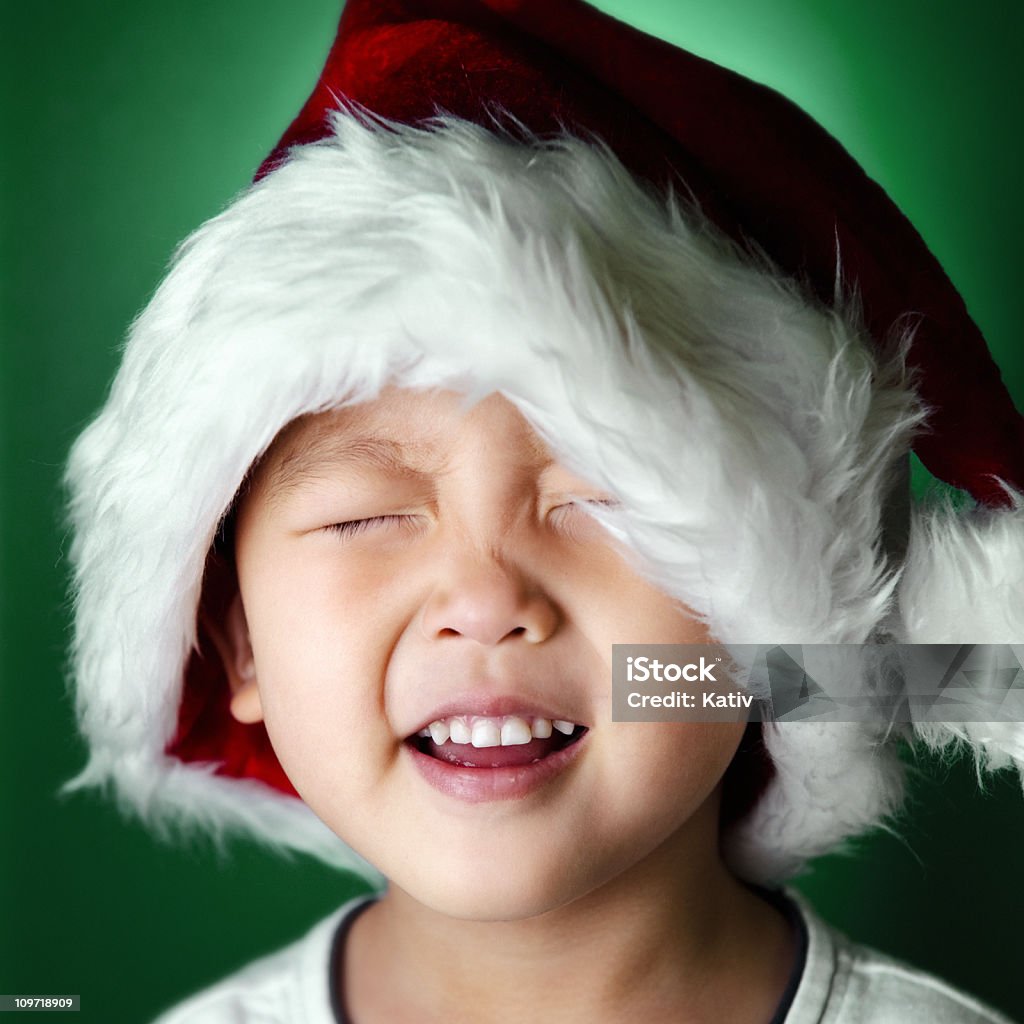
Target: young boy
[[445, 407]]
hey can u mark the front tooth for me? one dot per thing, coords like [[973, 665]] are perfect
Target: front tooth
[[439, 732], [459, 730], [542, 728], [485, 733], [566, 727], [515, 731]]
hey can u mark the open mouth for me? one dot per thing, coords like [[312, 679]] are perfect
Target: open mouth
[[474, 741]]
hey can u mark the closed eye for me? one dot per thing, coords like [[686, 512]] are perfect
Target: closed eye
[[582, 502], [354, 526], [573, 520]]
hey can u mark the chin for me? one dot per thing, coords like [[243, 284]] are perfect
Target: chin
[[493, 891], [495, 906], [514, 875]]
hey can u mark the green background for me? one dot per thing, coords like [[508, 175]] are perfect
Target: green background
[[128, 123]]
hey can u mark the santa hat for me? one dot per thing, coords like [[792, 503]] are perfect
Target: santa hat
[[637, 248]]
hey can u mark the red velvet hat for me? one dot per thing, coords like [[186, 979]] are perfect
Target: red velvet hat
[[258, 296], [757, 165]]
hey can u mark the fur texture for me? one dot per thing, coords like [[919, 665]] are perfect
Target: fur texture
[[751, 436], [964, 583]]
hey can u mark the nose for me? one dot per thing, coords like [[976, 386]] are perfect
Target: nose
[[485, 600]]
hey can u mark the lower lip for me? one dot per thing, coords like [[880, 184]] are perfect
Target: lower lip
[[478, 785]]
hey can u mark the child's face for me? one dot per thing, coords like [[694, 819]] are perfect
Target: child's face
[[468, 580]]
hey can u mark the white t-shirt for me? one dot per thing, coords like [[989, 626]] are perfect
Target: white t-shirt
[[834, 981]]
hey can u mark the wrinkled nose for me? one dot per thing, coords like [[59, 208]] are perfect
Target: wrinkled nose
[[490, 602]]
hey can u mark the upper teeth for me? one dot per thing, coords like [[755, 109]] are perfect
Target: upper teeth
[[486, 731]]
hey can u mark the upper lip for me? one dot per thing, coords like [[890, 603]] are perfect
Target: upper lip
[[496, 706]]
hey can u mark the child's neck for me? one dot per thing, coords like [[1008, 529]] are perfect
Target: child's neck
[[676, 938]]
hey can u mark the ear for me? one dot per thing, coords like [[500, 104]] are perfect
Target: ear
[[231, 638]]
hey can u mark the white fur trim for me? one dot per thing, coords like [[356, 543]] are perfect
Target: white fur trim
[[177, 799], [964, 583], [621, 327], [834, 780]]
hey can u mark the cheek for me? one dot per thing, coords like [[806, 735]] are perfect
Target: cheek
[[321, 614], [613, 604], [314, 589], [321, 641], [656, 775]]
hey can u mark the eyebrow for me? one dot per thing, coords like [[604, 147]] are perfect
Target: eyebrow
[[316, 458]]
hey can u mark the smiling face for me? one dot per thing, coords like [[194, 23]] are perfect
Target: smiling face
[[407, 567]]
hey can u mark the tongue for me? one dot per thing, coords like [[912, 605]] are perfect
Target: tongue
[[468, 756]]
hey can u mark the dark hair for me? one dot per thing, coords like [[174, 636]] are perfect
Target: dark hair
[[747, 776]]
